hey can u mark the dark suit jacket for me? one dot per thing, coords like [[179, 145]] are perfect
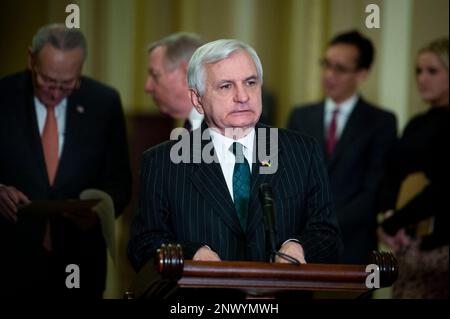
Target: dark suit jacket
[[189, 203], [94, 155], [422, 148], [355, 169]]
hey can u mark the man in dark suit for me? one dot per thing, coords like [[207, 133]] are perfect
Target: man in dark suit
[[60, 134], [354, 136], [208, 201]]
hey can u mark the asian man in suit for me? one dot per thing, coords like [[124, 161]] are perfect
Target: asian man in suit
[[60, 134], [208, 202], [354, 136]]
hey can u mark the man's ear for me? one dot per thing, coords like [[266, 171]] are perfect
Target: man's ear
[[362, 75], [196, 101], [183, 70], [184, 67]]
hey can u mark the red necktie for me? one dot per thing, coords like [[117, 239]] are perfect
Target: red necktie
[[331, 135], [50, 146]]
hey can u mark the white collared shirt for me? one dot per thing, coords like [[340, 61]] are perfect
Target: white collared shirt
[[345, 109], [60, 114], [195, 118], [226, 157]]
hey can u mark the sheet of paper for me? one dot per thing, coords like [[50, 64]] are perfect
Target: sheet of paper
[[57, 206], [105, 211]]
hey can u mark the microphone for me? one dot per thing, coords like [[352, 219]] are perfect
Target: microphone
[[266, 198]]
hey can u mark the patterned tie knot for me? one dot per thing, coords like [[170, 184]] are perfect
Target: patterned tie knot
[[238, 150]]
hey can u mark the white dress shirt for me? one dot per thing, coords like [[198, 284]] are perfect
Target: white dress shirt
[[345, 109], [60, 114], [226, 157]]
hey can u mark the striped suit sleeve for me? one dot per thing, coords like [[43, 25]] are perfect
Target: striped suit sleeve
[[152, 226]]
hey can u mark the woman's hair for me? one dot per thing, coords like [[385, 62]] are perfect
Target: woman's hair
[[438, 47]]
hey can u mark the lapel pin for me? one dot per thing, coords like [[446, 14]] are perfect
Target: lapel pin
[[80, 109], [266, 163]]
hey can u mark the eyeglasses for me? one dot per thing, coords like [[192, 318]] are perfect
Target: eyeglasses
[[337, 68], [48, 83]]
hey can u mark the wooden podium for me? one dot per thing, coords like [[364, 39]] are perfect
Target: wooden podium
[[261, 279]]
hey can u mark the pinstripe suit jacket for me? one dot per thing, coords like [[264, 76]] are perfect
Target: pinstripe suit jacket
[[189, 204]]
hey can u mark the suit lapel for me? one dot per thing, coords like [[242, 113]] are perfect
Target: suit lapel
[[33, 135], [72, 138], [210, 182], [316, 126], [354, 125], [318, 129]]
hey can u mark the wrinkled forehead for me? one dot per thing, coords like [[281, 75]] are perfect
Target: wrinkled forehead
[[237, 66]]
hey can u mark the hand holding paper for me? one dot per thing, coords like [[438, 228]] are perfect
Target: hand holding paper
[[10, 198]]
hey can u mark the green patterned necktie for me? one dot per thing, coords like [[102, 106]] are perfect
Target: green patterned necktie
[[241, 183]]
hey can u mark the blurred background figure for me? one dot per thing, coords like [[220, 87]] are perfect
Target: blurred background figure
[[61, 133], [167, 63], [355, 137], [167, 66], [417, 231]]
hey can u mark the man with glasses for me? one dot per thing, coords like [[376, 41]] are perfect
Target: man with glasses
[[60, 134], [355, 138]]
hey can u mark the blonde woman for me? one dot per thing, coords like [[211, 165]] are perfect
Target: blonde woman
[[422, 148]]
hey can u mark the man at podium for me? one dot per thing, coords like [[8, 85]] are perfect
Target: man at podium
[[208, 198]]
